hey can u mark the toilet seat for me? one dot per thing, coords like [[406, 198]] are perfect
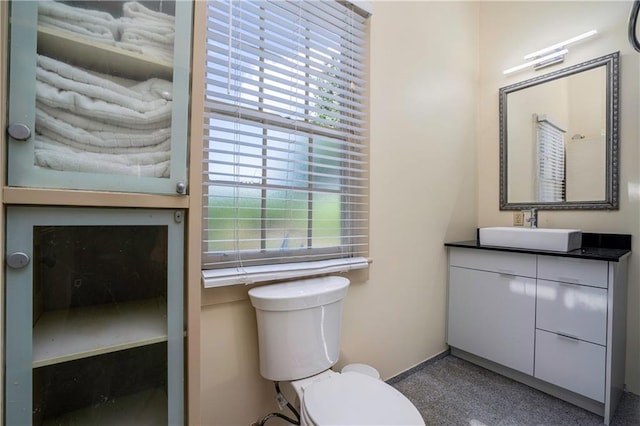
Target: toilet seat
[[356, 399]]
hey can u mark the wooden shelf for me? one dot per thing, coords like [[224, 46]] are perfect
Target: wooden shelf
[[100, 57], [65, 335], [82, 198], [144, 408]]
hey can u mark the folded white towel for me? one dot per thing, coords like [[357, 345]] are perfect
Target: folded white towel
[[65, 76], [60, 85], [62, 161], [146, 31], [125, 158], [99, 141], [85, 29], [77, 15], [138, 11], [91, 124], [98, 109], [144, 34]]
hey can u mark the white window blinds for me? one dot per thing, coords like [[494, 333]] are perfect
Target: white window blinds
[[285, 144], [550, 160]]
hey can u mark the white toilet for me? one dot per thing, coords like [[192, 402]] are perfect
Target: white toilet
[[299, 340]]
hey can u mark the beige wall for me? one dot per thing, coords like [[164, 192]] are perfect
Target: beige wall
[[508, 31], [423, 109]]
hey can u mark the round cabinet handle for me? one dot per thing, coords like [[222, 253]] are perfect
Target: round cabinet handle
[[19, 131], [18, 260]]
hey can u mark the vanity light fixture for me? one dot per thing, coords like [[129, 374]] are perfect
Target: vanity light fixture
[[544, 60], [550, 55], [561, 45]]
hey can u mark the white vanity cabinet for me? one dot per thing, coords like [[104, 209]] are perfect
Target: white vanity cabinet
[[559, 320], [492, 306]]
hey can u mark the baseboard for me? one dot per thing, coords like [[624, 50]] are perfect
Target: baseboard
[[420, 366]]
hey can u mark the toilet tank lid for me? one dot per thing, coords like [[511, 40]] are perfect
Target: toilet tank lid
[[299, 294]]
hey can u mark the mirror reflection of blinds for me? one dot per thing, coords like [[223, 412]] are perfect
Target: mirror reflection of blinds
[[550, 160], [285, 149]]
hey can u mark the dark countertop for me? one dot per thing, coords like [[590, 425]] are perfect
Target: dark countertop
[[608, 247]]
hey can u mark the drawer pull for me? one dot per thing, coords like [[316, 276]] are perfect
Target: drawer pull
[[570, 280], [568, 336], [507, 276], [505, 271]]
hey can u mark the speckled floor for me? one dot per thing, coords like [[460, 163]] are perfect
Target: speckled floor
[[450, 391]]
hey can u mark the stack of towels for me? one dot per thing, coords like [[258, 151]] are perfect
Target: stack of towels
[[89, 122], [139, 29], [86, 122], [145, 31]]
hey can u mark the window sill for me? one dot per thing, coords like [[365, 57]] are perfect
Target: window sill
[[255, 274]]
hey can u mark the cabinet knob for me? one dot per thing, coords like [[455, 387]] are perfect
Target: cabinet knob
[[181, 187], [19, 131], [17, 260]]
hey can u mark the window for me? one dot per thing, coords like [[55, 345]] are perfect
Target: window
[[550, 160], [285, 144]]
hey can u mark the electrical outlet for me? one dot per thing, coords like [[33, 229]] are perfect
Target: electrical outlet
[[518, 219]]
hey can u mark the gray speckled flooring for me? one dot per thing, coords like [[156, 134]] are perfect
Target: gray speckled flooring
[[450, 391]]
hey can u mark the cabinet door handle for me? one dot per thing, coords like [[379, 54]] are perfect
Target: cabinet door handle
[[19, 131], [17, 260], [507, 276], [571, 337], [569, 280]]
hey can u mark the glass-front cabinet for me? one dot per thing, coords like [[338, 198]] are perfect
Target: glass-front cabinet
[[98, 95], [94, 316]]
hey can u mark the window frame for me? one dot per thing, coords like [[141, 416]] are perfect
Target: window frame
[[263, 257]]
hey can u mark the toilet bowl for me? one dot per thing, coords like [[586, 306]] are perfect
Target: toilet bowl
[[352, 398], [299, 341]]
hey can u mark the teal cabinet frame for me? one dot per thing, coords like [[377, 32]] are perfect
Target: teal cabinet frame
[[22, 172], [19, 350]]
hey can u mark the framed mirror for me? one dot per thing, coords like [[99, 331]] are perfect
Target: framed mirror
[[559, 139]]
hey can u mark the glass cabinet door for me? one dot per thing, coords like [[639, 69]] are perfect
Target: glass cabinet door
[[94, 317], [98, 95]]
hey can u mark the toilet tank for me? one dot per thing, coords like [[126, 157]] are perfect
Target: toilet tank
[[299, 326]]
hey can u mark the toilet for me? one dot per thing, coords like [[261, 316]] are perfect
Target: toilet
[[299, 341]]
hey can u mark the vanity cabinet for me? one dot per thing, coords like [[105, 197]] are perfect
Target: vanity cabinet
[[94, 316], [556, 323], [99, 95], [492, 306]]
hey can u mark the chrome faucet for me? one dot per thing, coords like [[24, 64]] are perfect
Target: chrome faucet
[[533, 217]]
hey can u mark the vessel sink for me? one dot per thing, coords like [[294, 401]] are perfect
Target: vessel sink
[[532, 238]]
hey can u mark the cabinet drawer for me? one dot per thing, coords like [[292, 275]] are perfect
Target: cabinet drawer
[[574, 310], [494, 261], [576, 271], [571, 364]]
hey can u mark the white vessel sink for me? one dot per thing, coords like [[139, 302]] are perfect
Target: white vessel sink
[[532, 238]]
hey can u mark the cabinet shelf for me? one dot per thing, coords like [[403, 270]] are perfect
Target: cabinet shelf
[[142, 408], [66, 335], [65, 197], [100, 57]]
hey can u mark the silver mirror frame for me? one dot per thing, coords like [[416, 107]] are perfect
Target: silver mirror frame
[[611, 62]]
